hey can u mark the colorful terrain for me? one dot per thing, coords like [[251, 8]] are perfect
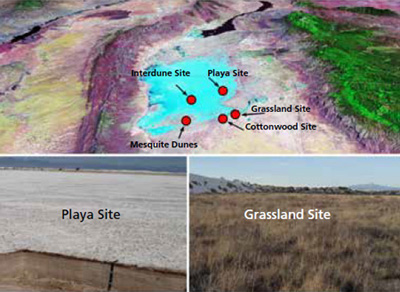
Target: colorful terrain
[[66, 82]]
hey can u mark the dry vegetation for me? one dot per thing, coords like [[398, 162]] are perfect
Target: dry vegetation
[[357, 250]]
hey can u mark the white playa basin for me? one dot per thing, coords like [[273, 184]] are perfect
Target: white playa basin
[[150, 233]]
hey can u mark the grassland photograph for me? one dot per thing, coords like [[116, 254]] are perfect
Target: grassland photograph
[[266, 224], [93, 224]]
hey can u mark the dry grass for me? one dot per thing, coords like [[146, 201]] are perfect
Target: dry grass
[[357, 250]]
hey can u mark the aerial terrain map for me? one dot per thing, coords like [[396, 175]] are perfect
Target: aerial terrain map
[[200, 76]]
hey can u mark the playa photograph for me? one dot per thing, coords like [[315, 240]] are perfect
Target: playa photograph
[[93, 224]]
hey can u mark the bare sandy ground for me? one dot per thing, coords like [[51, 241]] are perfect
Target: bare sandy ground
[[150, 233]]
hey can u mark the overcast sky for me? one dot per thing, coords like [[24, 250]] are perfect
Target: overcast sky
[[302, 171]]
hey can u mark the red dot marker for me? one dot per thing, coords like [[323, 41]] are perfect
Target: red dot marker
[[222, 118], [235, 114], [223, 90], [186, 121], [191, 99]]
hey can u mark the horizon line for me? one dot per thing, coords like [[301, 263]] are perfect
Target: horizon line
[[294, 185]]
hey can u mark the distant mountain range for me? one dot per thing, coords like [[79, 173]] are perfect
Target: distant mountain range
[[373, 187], [163, 164], [206, 185]]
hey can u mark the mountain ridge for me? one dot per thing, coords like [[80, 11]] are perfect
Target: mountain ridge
[[373, 187], [207, 185]]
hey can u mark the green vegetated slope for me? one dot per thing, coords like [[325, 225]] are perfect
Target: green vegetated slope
[[369, 10], [307, 3], [29, 4], [365, 71]]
